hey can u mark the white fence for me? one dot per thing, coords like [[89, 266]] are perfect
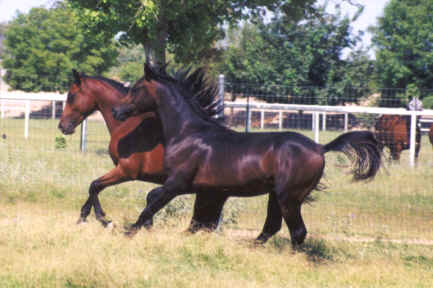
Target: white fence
[[316, 110], [26, 99], [322, 110]]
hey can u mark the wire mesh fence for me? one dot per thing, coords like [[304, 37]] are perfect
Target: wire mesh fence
[[251, 107], [34, 122]]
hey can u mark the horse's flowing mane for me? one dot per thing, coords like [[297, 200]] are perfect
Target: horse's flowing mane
[[194, 87], [115, 84]]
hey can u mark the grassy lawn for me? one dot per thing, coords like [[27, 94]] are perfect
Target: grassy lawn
[[374, 234]]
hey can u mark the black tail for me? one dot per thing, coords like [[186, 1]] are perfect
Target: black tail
[[362, 148]]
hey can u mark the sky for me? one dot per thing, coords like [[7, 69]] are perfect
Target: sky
[[8, 8], [372, 10]]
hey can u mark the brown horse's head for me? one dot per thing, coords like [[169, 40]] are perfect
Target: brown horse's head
[[87, 94], [80, 103], [392, 131]]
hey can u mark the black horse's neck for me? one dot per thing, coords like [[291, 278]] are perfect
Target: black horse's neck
[[179, 117]]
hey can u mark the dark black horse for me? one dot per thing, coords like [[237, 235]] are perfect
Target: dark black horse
[[205, 157]]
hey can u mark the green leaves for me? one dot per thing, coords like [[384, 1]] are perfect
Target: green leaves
[[188, 28], [42, 47], [294, 55], [405, 44]]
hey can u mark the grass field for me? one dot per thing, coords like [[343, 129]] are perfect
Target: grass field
[[374, 234]]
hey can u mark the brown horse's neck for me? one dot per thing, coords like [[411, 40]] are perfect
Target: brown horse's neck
[[105, 100]]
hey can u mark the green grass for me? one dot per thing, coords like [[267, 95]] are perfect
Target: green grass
[[374, 234]]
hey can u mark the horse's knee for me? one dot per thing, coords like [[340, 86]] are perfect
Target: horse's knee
[[95, 187], [152, 195]]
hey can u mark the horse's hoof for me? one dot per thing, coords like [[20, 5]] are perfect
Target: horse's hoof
[[81, 221], [130, 233], [148, 225], [105, 222], [110, 225], [259, 242]]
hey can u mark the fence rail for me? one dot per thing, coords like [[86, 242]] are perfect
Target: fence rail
[[318, 109], [249, 106]]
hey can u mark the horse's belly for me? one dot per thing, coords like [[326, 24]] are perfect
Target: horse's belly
[[248, 189], [229, 177]]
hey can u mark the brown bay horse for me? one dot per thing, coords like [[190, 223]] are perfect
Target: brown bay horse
[[135, 147], [393, 132], [202, 156]]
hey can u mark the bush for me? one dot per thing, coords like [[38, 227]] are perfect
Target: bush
[[60, 142], [428, 102]]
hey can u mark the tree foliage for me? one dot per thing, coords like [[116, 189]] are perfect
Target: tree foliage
[[42, 47], [404, 42], [130, 64], [187, 28], [300, 62], [3, 28]]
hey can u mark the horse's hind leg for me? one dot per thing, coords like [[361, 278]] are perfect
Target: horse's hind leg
[[113, 177], [207, 211], [273, 220], [291, 212], [290, 205]]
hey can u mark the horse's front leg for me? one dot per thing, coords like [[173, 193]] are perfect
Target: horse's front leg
[[274, 220], [115, 176], [161, 196], [207, 211]]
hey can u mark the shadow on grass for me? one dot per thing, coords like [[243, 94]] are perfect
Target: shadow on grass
[[316, 250]]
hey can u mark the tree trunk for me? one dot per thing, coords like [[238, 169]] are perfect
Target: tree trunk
[[155, 48]]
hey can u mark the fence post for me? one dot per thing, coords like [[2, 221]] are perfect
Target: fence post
[[27, 119], [262, 119], [412, 138], [248, 116], [324, 121], [346, 121], [316, 125], [53, 107], [221, 92], [280, 120], [83, 139]]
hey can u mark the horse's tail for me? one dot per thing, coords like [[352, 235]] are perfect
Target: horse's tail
[[362, 148]]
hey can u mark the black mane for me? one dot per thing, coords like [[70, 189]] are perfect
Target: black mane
[[194, 86], [115, 84]]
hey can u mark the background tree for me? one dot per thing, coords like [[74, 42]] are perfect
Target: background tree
[[3, 28], [130, 64], [299, 62], [42, 47], [404, 46], [188, 28]]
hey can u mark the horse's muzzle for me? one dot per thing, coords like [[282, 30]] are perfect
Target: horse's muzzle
[[66, 129]]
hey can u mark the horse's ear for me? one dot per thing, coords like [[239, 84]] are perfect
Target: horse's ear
[[77, 77]]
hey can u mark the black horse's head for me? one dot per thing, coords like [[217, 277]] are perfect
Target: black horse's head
[[141, 97], [145, 95]]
